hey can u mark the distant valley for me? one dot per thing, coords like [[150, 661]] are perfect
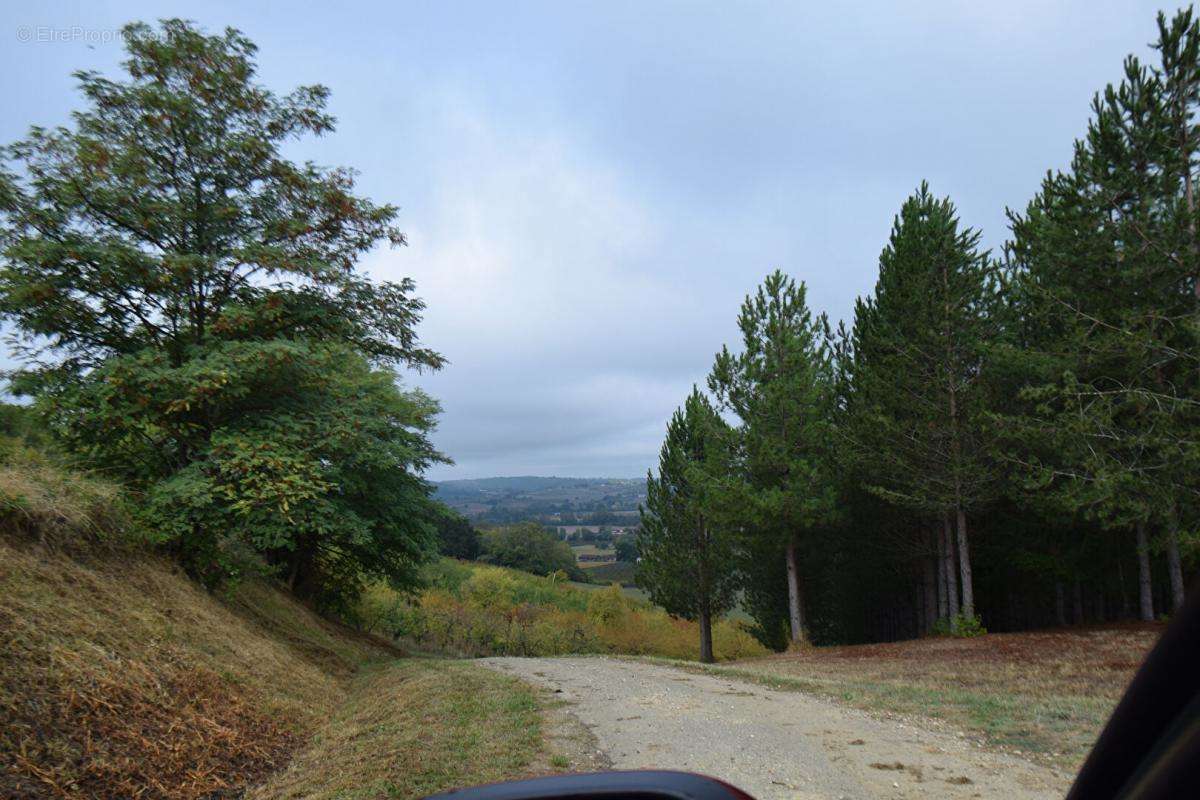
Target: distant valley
[[549, 500]]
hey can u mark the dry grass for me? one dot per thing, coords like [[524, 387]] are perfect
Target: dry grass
[[56, 507], [415, 727], [120, 678], [1045, 695]]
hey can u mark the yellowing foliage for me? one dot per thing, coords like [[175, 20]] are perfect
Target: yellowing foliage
[[477, 610]]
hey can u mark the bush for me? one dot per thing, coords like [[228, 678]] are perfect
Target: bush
[[962, 627], [608, 606], [490, 588], [969, 626]]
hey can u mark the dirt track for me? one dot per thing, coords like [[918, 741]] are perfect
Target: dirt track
[[773, 744]]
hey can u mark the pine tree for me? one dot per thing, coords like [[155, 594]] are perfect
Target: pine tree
[[1104, 268], [911, 379], [780, 388], [687, 560]]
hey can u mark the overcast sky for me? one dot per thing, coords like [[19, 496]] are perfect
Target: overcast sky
[[588, 194]]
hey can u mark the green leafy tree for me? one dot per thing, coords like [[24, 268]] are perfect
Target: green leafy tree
[[687, 552], [780, 388], [914, 401], [530, 547], [193, 321], [626, 548]]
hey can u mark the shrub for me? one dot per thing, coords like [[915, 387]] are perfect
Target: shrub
[[608, 606], [489, 588], [969, 626], [962, 626]]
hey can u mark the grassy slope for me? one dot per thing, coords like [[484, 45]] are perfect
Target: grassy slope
[[416, 727], [473, 609], [1040, 694], [119, 676]]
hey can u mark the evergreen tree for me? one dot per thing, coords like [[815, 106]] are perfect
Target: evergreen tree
[[687, 561], [780, 388], [457, 536], [1104, 268], [911, 378]]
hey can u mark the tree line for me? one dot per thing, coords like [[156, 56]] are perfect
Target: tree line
[[1006, 439]]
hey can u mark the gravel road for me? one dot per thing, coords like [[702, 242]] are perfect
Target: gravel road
[[773, 744]]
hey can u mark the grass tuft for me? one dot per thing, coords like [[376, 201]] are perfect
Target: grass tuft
[[57, 507]]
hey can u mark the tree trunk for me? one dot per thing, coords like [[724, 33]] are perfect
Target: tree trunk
[[795, 605], [940, 568], [948, 566], [1060, 604], [706, 647], [1126, 613], [1174, 566], [964, 562], [293, 574], [1145, 587], [1078, 602], [930, 597]]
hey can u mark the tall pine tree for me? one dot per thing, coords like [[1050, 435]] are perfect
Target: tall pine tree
[[686, 549], [911, 376], [780, 388]]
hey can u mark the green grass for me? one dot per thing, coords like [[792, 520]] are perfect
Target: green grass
[[415, 727], [621, 572]]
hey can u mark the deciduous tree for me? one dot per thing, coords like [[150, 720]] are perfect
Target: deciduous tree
[[192, 318]]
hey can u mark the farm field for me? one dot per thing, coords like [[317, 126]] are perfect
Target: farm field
[[1042, 695], [632, 592], [591, 550]]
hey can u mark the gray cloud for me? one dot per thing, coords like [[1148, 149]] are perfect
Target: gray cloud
[[590, 193]]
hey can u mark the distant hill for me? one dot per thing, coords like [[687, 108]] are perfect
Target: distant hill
[[550, 500]]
